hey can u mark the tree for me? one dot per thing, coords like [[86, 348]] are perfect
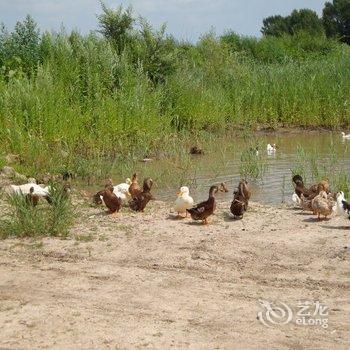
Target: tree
[[158, 52], [305, 20], [336, 19], [20, 50], [116, 25], [275, 26]]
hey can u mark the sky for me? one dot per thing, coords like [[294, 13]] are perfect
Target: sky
[[185, 19]]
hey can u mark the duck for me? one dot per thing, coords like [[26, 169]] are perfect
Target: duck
[[122, 190], [66, 191], [223, 187], [134, 187], [296, 199], [205, 209], [342, 206], [310, 193], [141, 198], [26, 188], [122, 187], [112, 202], [271, 149], [244, 189], [305, 203], [183, 201], [239, 204], [321, 205], [241, 197], [345, 136], [32, 199], [196, 151]]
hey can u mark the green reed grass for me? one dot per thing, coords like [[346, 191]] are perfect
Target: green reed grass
[[21, 219], [84, 107], [312, 169]]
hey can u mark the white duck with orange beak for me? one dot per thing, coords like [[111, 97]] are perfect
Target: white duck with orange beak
[[183, 201]]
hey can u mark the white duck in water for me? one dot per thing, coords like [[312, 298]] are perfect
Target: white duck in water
[[347, 137], [183, 201], [271, 149]]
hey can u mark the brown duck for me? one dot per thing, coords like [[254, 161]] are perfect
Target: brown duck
[[31, 198], [203, 210], [309, 193], [241, 199], [134, 188], [141, 198], [223, 187], [112, 202]]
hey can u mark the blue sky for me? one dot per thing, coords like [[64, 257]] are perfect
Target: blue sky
[[186, 19]]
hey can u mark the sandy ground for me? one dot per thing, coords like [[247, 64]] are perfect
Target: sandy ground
[[148, 281]]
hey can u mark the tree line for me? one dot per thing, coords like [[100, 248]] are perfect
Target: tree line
[[334, 23]]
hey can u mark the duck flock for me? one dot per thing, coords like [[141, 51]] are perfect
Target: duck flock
[[317, 198]]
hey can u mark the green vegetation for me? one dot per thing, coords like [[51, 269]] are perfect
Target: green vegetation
[[21, 219], [85, 104], [335, 22], [313, 171]]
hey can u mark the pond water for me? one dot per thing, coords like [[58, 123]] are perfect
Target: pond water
[[222, 160]]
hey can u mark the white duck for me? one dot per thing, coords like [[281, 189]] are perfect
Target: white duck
[[184, 201], [25, 189], [296, 200], [123, 187], [342, 206], [271, 149], [121, 190], [347, 137]]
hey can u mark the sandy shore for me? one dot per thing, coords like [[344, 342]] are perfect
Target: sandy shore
[[149, 281]]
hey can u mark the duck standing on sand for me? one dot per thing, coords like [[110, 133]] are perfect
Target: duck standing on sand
[[32, 199], [112, 202], [223, 187], [203, 210], [308, 193], [141, 198], [184, 201], [241, 198], [322, 205], [134, 187], [343, 207]]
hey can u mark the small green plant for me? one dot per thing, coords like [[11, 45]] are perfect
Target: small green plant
[[252, 165], [21, 219]]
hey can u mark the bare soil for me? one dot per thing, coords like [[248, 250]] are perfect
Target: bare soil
[[151, 281]]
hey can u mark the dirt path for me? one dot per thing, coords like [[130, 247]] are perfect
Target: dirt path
[[149, 281]]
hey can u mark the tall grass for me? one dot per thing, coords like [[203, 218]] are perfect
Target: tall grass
[[312, 170], [83, 106], [20, 219]]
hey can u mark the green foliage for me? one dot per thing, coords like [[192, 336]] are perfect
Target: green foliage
[[88, 103], [336, 19], [304, 20], [116, 26], [20, 219], [19, 50]]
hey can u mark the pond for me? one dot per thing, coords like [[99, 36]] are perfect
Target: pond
[[222, 163]]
